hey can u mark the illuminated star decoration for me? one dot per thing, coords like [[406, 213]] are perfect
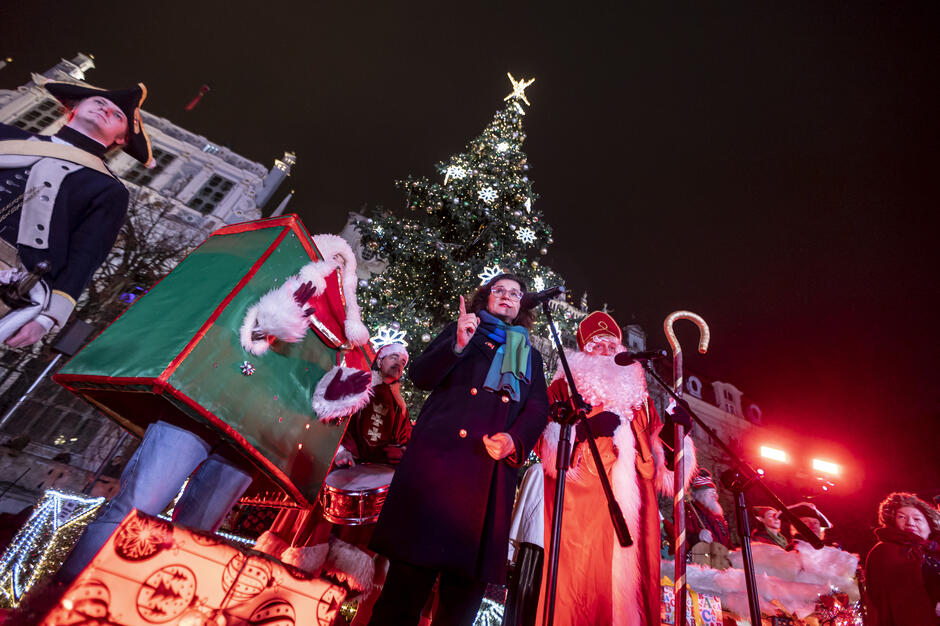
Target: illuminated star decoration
[[502, 146], [518, 88], [385, 335], [487, 194], [538, 283], [489, 273], [526, 235]]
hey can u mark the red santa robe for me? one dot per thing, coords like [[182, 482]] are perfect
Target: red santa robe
[[600, 582], [331, 311]]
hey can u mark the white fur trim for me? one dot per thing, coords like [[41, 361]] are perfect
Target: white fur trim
[[308, 559], [316, 274], [625, 566], [271, 544], [548, 448], [350, 565], [329, 411], [337, 252], [391, 348], [249, 325], [277, 314], [356, 331], [666, 478]]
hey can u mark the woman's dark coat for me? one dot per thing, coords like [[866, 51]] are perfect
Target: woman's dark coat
[[449, 504], [894, 580]]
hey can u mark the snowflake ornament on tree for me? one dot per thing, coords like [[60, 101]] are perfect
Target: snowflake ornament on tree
[[487, 194], [489, 273], [454, 171], [526, 235]]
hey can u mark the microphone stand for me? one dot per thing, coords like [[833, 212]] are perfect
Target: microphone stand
[[738, 479], [579, 409]]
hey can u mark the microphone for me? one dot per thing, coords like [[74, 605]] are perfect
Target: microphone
[[532, 300], [628, 358]]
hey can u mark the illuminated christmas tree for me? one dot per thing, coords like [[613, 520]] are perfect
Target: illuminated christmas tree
[[477, 220]]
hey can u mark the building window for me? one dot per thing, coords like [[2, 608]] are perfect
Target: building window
[[140, 175], [39, 116], [694, 386], [755, 414], [211, 194]]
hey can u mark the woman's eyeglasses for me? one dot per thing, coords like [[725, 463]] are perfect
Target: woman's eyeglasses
[[499, 292]]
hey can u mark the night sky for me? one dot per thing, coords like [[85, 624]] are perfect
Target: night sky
[[770, 166]]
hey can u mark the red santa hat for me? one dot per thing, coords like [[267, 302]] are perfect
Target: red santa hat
[[760, 511], [391, 348], [703, 480], [597, 324]]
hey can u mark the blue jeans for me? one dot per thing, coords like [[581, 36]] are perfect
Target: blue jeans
[[150, 481]]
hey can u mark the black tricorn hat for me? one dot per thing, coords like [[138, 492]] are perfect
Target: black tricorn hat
[[808, 509], [128, 100]]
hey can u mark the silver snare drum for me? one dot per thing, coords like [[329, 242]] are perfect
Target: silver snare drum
[[354, 496]]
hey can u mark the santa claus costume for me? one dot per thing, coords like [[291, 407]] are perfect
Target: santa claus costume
[[600, 582]]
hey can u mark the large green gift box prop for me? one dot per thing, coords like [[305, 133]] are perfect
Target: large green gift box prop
[[175, 356]]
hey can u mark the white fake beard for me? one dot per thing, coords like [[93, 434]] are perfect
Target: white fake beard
[[601, 381], [713, 506]]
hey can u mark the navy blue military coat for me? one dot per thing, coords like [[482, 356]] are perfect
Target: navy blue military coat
[[449, 504], [88, 213]]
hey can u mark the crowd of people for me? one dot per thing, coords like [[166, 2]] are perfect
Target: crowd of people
[[452, 512]]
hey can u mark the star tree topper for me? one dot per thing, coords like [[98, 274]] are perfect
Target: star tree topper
[[518, 88]]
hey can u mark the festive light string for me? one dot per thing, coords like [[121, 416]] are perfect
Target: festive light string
[[39, 548], [490, 613]]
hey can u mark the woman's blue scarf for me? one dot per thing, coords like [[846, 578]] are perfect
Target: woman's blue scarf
[[512, 361]]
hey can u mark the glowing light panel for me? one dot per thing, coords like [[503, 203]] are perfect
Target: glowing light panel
[[774, 454]]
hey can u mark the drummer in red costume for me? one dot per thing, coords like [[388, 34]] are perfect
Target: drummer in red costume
[[379, 431], [376, 434]]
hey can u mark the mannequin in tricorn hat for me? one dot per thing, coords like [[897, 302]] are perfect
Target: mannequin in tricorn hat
[[60, 204]]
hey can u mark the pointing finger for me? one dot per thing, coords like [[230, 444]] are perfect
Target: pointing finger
[[463, 307]]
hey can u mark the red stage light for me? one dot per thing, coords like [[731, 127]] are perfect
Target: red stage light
[[827, 467], [774, 454]]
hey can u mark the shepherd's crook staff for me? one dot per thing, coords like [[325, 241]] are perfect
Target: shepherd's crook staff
[[678, 502]]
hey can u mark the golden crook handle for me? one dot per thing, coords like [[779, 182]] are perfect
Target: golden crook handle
[[678, 502], [704, 336]]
